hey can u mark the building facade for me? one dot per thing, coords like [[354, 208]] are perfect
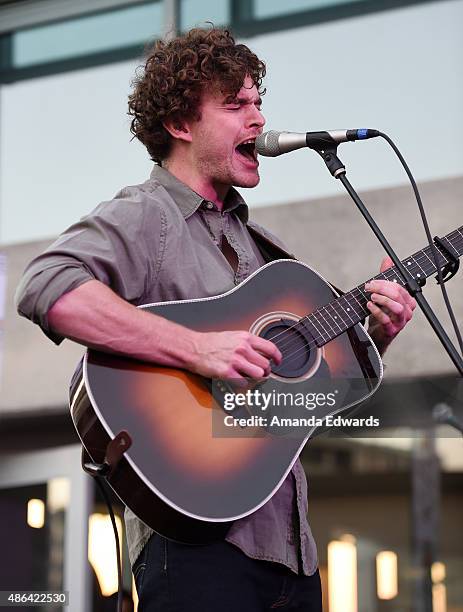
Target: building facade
[[65, 73]]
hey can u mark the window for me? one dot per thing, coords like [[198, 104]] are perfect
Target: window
[[273, 8], [122, 31], [80, 42], [194, 13], [86, 35]]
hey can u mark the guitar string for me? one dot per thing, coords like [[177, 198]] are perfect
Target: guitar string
[[390, 271], [393, 270], [328, 330], [420, 258], [291, 356]]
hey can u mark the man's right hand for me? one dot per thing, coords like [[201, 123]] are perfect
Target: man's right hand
[[233, 355]]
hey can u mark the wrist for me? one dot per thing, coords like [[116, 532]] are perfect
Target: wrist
[[190, 354], [379, 338]]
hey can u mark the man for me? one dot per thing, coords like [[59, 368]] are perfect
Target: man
[[184, 234]]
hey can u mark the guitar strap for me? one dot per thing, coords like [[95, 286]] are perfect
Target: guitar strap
[[271, 251]]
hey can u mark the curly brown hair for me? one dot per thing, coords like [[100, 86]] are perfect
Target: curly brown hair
[[175, 75]]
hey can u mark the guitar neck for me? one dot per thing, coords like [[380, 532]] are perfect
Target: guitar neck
[[333, 319]]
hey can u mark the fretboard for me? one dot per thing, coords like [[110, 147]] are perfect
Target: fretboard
[[331, 320]]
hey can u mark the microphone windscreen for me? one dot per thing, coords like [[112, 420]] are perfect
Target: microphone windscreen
[[267, 144]]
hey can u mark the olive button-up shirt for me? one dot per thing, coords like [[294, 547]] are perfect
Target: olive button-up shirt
[[161, 241]]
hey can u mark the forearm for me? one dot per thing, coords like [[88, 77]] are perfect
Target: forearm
[[381, 343], [96, 317]]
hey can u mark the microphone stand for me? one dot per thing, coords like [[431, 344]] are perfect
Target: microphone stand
[[338, 170]]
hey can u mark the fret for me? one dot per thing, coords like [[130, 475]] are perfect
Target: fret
[[310, 323], [321, 323], [359, 303], [416, 262], [335, 318], [353, 305], [347, 309], [452, 248], [330, 329], [363, 293], [409, 263], [357, 314], [430, 259], [457, 241], [387, 274], [338, 315]]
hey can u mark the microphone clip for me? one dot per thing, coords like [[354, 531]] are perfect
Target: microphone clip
[[332, 161]]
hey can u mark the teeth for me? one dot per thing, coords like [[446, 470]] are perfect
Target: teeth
[[249, 153]]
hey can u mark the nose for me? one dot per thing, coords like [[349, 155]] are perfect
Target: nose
[[257, 119]]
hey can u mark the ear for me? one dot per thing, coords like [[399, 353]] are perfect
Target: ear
[[180, 130]]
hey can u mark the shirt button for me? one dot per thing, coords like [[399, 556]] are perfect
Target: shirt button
[[209, 205]]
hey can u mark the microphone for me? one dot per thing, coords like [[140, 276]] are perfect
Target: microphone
[[442, 413], [272, 144]]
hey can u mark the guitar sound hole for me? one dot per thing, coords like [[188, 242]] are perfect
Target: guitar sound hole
[[295, 343]]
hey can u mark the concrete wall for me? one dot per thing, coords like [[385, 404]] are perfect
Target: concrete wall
[[65, 143]]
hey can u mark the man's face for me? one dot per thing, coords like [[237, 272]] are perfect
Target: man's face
[[217, 149]]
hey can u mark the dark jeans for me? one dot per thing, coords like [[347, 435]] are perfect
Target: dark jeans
[[173, 577]]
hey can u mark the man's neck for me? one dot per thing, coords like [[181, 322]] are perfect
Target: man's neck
[[185, 173]]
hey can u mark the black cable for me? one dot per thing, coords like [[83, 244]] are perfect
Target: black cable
[[430, 240], [99, 481]]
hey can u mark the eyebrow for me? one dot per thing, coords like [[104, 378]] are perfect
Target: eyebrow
[[242, 100]]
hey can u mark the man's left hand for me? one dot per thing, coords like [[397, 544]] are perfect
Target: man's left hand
[[391, 308]]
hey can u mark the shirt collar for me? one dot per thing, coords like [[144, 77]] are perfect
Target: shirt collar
[[188, 201]]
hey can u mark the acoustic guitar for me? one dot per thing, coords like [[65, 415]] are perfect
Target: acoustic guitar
[[179, 467]]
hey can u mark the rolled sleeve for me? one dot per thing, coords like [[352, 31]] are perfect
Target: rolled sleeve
[[46, 279], [120, 244]]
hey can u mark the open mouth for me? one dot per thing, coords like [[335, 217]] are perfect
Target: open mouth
[[248, 150]]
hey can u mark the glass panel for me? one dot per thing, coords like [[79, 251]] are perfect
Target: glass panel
[[102, 556], [194, 13], [273, 8], [32, 531], [91, 34]]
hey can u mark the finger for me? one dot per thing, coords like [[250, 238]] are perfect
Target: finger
[[379, 314], [388, 288], [267, 348], [246, 368], [391, 290], [259, 360], [385, 264], [396, 308], [408, 312], [408, 301], [411, 301]]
